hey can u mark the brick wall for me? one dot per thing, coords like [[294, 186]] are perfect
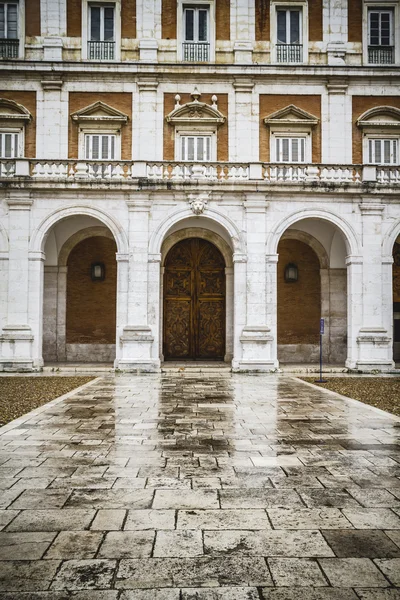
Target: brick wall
[[223, 20], [74, 18], [354, 18], [315, 20], [27, 99], [32, 17], [262, 8], [299, 304], [168, 19], [169, 16], [263, 25], [91, 306], [121, 101], [169, 130], [269, 103], [360, 105], [128, 18]]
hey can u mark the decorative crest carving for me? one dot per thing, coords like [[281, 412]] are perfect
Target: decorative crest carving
[[195, 111], [198, 203]]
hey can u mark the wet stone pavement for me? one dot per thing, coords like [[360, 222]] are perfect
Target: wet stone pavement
[[201, 487]]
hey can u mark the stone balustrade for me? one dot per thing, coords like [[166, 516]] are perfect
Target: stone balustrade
[[76, 170]]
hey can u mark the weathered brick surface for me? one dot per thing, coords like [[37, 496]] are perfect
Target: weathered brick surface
[[169, 130], [32, 17], [121, 101], [270, 103], [27, 99], [168, 19], [74, 18], [91, 306], [299, 304], [360, 105], [315, 20], [128, 18], [223, 20], [354, 17], [262, 20]]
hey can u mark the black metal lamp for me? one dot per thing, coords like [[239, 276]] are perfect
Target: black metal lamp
[[291, 273], [97, 271]]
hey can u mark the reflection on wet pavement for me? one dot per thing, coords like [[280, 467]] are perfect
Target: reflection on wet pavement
[[200, 487]]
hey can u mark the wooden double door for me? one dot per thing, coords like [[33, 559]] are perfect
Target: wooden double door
[[194, 301]]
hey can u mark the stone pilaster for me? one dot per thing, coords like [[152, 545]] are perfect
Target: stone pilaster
[[335, 30], [246, 123], [242, 29], [53, 24], [337, 124], [148, 15], [149, 144], [52, 118]]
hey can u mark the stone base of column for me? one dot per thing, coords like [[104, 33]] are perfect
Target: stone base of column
[[374, 351], [16, 349], [137, 342], [148, 50], [257, 351], [243, 52]]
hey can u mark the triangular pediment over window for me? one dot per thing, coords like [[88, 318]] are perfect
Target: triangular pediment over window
[[195, 112], [12, 111], [380, 116], [99, 111], [291, 115]]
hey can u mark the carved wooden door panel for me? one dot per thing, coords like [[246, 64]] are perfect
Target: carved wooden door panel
[[194, 301]]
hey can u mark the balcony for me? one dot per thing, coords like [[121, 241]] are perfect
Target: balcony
[[289, 53], [166, 172], [381, 55], [196, 51], [101, 50], [9, 48]]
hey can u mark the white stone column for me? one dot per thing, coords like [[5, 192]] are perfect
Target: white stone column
[[16, 339], [243, 30], [62, 313], [53, 25], [246, 123], [155, 304], [239, 307], [35, 305], [50, 329], [354, 307], [149, 138], [335, 30], [271, 302], [148, 27], [337, 125], [52, 119], [387, 296], [374, 339], [137, 338], [122, 303]]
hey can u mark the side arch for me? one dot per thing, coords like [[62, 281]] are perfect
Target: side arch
[[350, 236], [199, 232], [79, 236], [390, 238], [310, 240], [39, 235]]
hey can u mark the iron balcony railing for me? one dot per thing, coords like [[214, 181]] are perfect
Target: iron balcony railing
[[289, 53], [9, 48], [381, 55], [101, 50], [196, 51]]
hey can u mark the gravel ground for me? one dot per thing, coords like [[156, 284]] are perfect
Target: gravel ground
[[382, 392], [20, 395]]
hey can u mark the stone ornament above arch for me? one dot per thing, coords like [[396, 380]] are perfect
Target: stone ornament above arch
[[353, 244], [160, 234], [39, 235], [310, 240], [380, 116], [291, 115], [12, 111], [196, 112], [79, 236], [197, 232], [99, 112]]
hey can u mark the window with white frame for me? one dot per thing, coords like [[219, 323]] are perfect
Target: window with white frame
[[382, 151], [380, 35], [290, 149], [289, 27], [101, 43], [196, 33], [10, 144], [100, 146], [197, 148], [9, 42]]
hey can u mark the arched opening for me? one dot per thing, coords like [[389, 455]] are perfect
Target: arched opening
[[194, 301], [312, 284], [396, 301], [80, 292]]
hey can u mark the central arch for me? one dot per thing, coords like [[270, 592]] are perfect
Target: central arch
[[194, 293]]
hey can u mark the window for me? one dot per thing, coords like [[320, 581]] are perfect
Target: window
[[196, 33], [100, 146], [196, 148], [383, 151], [101, 44], [9, 41], [9, 144], [380, 36], [289, 35], [290, 149]]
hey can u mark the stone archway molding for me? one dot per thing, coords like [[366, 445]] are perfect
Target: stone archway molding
[[39, 235], [79, 236], [199, 232], [390, 239], [351, 239], [3, 240], [310, 240]]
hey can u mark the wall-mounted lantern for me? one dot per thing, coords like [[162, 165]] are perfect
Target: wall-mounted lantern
[[97, 271], [291, 273]]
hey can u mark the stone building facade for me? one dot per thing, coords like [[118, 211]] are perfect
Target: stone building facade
[[199, 180]]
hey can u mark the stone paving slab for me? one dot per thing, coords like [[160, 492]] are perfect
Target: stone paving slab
[[200, 487]]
